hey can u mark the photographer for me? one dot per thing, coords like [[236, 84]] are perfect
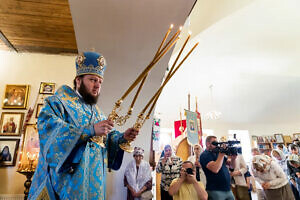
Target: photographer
[[187, 186], [216, 172], [200, 176]]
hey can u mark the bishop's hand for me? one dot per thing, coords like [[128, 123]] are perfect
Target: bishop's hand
[[103, 128], [130, 134]]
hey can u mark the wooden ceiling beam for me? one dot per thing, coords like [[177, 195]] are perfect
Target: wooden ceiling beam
[[41, 43], [7, 42], [41, 21], [59, 2], [49, 50], [35, 9], [38, 26]]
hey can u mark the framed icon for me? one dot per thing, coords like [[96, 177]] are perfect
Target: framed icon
[[16, 97], [279, 138], [47, 88], [8, 152], [11, 123]]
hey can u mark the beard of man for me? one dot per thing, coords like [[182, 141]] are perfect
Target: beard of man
[[87, 97]]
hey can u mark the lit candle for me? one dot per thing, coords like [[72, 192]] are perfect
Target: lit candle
[[148, 68], [167, 79], [170, 72], [179, 54], [175, 36], [163, 41], [144, 79]]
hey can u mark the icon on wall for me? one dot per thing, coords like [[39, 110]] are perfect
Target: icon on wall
[[8, 151], [11, 123], [47, 88], [16, 97]]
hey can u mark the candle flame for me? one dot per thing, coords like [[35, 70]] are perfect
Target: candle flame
[[171, 26], [180, 28], [190, 32]]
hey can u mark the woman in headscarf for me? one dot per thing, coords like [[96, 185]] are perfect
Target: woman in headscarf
[[272, 178], [137, 177], [293, 166], [169, 166], [281, 159], [5, 154]]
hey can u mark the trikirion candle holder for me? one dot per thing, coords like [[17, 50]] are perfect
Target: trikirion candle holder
[[162, 50]]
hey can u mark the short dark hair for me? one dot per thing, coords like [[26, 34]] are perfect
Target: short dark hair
[[294, 162], [74, 81], [189, 162], [280, 145], [208, 139], [293, 147]]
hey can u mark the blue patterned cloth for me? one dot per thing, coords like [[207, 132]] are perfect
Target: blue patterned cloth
[[70, 165]]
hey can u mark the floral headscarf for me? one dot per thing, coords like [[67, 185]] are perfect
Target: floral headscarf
[[261, 162]]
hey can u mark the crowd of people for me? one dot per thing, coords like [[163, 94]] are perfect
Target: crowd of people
[[228, 177]]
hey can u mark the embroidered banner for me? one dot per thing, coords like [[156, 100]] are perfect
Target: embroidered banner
[[199, 123], [177, 125], [156, 133], [191, 127]]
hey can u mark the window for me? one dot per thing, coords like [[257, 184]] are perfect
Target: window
[[243, 137]]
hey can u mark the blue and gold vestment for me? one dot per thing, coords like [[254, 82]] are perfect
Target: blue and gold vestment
[[71, 166]]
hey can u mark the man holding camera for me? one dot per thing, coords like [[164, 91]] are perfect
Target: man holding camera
[[217, 174], [187, 186]]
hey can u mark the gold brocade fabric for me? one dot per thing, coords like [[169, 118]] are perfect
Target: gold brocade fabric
[[44, 195]]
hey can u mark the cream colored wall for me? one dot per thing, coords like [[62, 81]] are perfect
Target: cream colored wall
[[29, 69]]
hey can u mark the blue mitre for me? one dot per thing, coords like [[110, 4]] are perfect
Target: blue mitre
[[90, 63]]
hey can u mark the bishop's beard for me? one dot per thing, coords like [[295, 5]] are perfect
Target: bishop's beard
[[87, 97]]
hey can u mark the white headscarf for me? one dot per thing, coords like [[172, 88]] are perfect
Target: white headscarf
[[280, 153], [138, 180], [262, 161]]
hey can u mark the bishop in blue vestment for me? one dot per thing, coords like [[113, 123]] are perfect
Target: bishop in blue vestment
[[71, 165]]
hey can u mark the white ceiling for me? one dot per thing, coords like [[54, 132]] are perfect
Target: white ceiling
[[250, 53]]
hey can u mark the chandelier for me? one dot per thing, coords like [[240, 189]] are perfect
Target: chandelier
[[213, 114]]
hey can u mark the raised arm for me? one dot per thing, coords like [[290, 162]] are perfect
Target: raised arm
[[215, 166]]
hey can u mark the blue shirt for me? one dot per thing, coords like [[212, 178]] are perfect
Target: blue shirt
[[219, 181]]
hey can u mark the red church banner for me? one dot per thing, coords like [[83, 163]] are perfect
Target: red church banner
[[177, 125]]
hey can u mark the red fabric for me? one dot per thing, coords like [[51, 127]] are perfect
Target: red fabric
[[177, 124], [199, 127]]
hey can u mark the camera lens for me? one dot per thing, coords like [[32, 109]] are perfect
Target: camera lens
[[189, 171]]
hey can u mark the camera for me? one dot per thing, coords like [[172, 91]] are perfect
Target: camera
[[189, 171], [231, 147]]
